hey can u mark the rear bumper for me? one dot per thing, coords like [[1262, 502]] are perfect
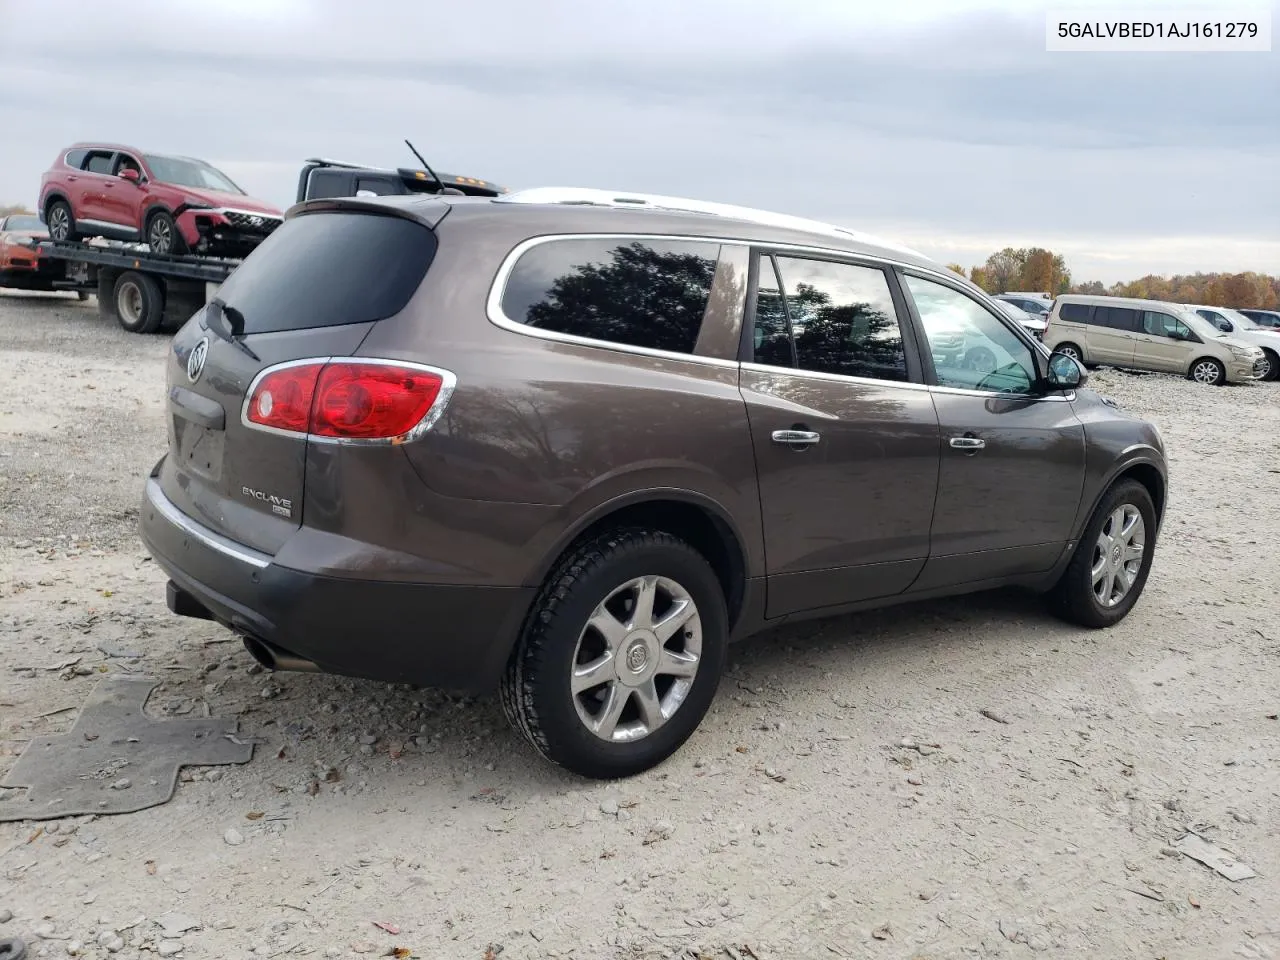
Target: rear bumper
[[455, 637]]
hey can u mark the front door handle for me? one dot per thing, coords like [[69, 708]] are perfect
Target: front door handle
[[796, 438], [968, 443]]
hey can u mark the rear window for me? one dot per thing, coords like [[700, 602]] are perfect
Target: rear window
[[639, 293], [1075, 312], [327, 269]]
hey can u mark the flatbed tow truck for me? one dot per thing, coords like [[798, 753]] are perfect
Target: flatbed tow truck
[[146, 292], [143, 291]]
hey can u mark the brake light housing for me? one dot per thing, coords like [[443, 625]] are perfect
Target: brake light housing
[[348, 400]]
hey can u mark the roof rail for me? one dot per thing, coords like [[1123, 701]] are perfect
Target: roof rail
[[587, 196]]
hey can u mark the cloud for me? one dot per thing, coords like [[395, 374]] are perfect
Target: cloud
[[933, 120]]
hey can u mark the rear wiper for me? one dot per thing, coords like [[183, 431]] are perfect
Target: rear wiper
[[228, 324]]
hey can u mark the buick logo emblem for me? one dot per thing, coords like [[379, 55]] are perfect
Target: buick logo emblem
[[195, 362]]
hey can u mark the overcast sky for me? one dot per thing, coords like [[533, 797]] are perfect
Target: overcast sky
[[941, 123]]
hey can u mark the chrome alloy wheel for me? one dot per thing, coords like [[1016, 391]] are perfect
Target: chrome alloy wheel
[[1117, 556], [636, 659], [1206, 371]]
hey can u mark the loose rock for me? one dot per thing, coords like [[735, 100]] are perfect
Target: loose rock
[[233, 837]]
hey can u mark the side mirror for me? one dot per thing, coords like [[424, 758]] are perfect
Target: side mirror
[[1065, 373], [128, 173]]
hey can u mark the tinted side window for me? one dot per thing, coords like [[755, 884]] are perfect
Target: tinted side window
[[99, 162], [1118, 318], [1075, 312], [379, 186], [772, 332], [327, 183], [842, 319], [638, 293], [326, 269], [74, 159]]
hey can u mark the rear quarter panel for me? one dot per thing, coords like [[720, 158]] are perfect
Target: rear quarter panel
[[567, 429]]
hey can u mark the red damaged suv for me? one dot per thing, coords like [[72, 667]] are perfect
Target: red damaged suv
[[175, 205]]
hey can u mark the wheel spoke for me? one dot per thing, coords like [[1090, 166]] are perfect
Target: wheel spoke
[[650, 705], [678, 664], [1108, 581], [606, 722], [1122, 582], [681, 613], [589, 675], [607, 625], [1133, 551], [1116, 523], [642, 612], [1100, 566]]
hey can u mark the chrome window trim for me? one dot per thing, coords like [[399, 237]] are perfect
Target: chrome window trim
[[214, 541], [907, 384], [418, 430], [496, 316]]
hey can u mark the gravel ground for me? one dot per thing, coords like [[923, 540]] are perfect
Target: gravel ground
[[846, 796]]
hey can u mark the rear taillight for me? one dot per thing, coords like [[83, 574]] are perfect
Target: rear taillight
[[348, 400]]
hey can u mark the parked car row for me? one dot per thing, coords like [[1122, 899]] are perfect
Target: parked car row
[[1163, 337]]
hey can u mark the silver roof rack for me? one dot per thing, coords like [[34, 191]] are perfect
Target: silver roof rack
[[587, 196]]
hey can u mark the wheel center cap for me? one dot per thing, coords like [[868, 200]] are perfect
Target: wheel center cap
[[1115, 553], [637, 656]]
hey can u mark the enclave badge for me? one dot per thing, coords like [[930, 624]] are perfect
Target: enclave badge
[[195, 362]]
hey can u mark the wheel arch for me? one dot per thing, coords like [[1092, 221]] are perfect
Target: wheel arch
[[150, 210], [693, 517], [1141, 465], [1201, 358], [49, 199]]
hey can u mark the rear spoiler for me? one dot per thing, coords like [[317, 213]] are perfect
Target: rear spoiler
[[427, 209]]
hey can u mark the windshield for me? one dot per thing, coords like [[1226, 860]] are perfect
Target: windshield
[[190, 173], [18, 222], [1240, 320], [1013, 310], [1199, 324]]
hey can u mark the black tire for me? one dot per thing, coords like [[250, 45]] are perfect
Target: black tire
[[61, 222], [162, 235], [1073, 597], [1273, 370], [536, 693], [138, 302], [1197, 372]]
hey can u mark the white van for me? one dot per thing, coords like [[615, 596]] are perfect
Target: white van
[[1149, 335]]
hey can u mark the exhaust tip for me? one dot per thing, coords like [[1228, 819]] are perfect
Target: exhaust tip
[[273, 658]]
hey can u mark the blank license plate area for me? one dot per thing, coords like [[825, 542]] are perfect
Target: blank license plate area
[[199, 449]]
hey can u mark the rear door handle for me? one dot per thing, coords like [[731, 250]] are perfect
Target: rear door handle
[[796, 438], [968, 443]]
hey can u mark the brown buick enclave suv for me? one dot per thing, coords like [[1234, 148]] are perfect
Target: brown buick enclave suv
[[572, 444]]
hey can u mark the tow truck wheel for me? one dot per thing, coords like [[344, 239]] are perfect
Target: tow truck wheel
[[139, 302]]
